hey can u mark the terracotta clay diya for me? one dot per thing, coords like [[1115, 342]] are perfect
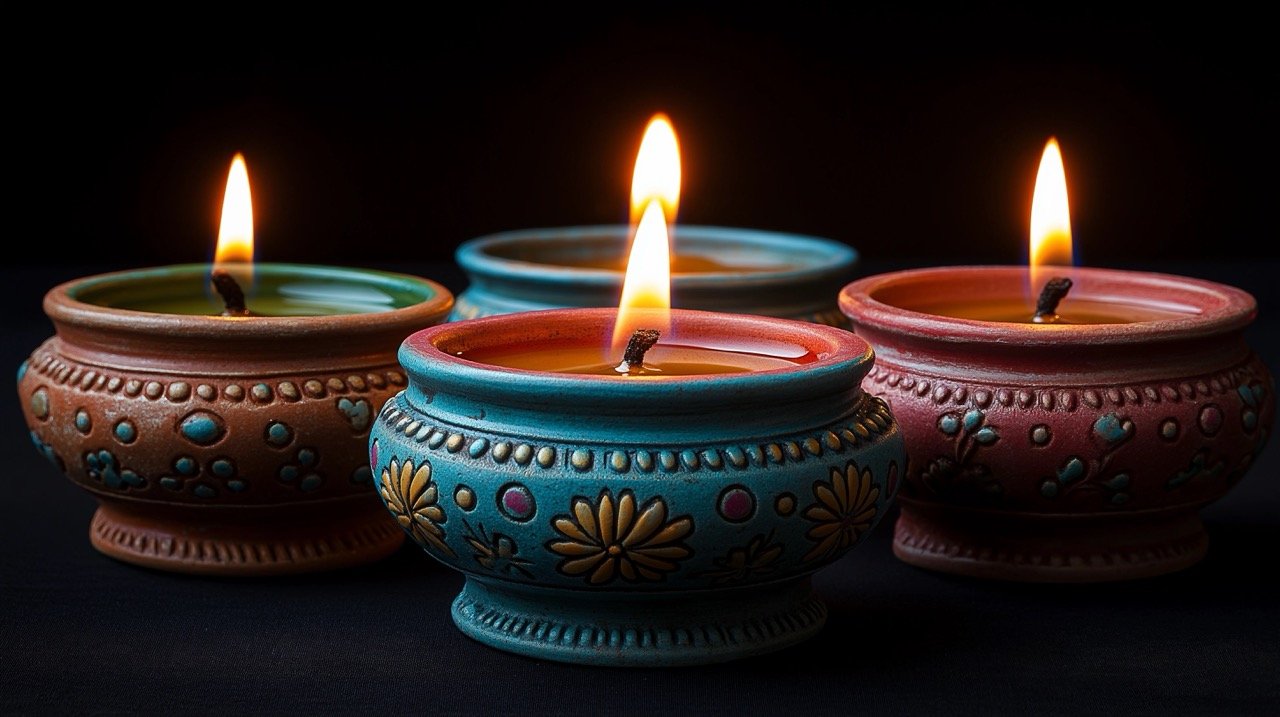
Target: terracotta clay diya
[[727, 269], [226, 445], [650, 519], [1072, 451]]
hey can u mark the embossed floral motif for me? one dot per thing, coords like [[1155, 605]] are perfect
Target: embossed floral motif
[[496, 552], [1252, 395], [103, 467], [413, 498], [611, 537], [1093, 477], [845, 508], [754, 559], [1199, 467], [957, 477]]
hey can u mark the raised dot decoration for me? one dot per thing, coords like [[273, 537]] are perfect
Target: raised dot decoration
[[785, 505], [464, 497], [303, 471], [202, 428], [84, 423], [278, 434], [40, 404], [736, 504], [1210, 420], [1040, 434], [125, 431], [516, 502]]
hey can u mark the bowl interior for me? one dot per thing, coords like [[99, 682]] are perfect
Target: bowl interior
[[275, 290]]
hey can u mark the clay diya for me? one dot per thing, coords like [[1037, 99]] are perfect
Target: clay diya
[[729, 269], [231, 445], [1074, 443], [713, 268], [663, 505]]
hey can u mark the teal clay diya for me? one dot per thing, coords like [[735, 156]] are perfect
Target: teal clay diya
[[650, 508], [727, 269], [217, 444]]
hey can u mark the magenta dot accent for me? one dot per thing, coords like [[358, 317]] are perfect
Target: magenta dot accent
[[516, 502], [1210, 419], [737, 504]]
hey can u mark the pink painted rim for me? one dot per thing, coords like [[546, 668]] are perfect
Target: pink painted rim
[[1212, 308]]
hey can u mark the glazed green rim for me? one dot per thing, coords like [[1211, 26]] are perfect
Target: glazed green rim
[[72, 302]]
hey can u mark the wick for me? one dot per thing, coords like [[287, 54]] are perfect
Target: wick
[[1055, 290], [639, 343], [229, 290]]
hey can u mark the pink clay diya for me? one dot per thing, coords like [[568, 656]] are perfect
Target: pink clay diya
[[1077, 451]]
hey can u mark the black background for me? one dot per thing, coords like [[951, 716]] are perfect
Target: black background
[[385, 138], [376, 138]]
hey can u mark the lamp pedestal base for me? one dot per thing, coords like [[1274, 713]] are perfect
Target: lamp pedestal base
[[1046, 548], [639, 629], [229, 542]]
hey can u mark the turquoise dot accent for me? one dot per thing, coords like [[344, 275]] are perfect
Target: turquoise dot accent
[[311, 482], [186, 465], [362, 475], [289, 474], [278, 434], [307, 456], [171, 483], [125, 432], [223, 468], [83, 422], [205, 491], [202, 428], [237, 486], [22, 370], [949, 424]]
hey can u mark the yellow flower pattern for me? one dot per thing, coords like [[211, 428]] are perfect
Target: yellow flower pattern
[[845, 508], [615, 537], [413, 498]]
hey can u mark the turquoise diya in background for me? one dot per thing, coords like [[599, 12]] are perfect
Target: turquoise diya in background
[[636, 486], [226, 436], [712, 268]]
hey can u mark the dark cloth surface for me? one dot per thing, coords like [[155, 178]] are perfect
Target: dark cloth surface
[[82, 633]]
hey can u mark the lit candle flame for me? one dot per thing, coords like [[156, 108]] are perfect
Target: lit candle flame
[[1050, 217], [235, 232], [657, 171], [646, 290]]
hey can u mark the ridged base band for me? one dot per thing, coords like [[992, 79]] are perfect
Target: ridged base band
[[609, 629], [1047, 548], [244, 547]]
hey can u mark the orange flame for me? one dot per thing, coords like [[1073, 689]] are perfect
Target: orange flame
[[235, 231], [646, 290], [1050, 217], [657, 171]]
